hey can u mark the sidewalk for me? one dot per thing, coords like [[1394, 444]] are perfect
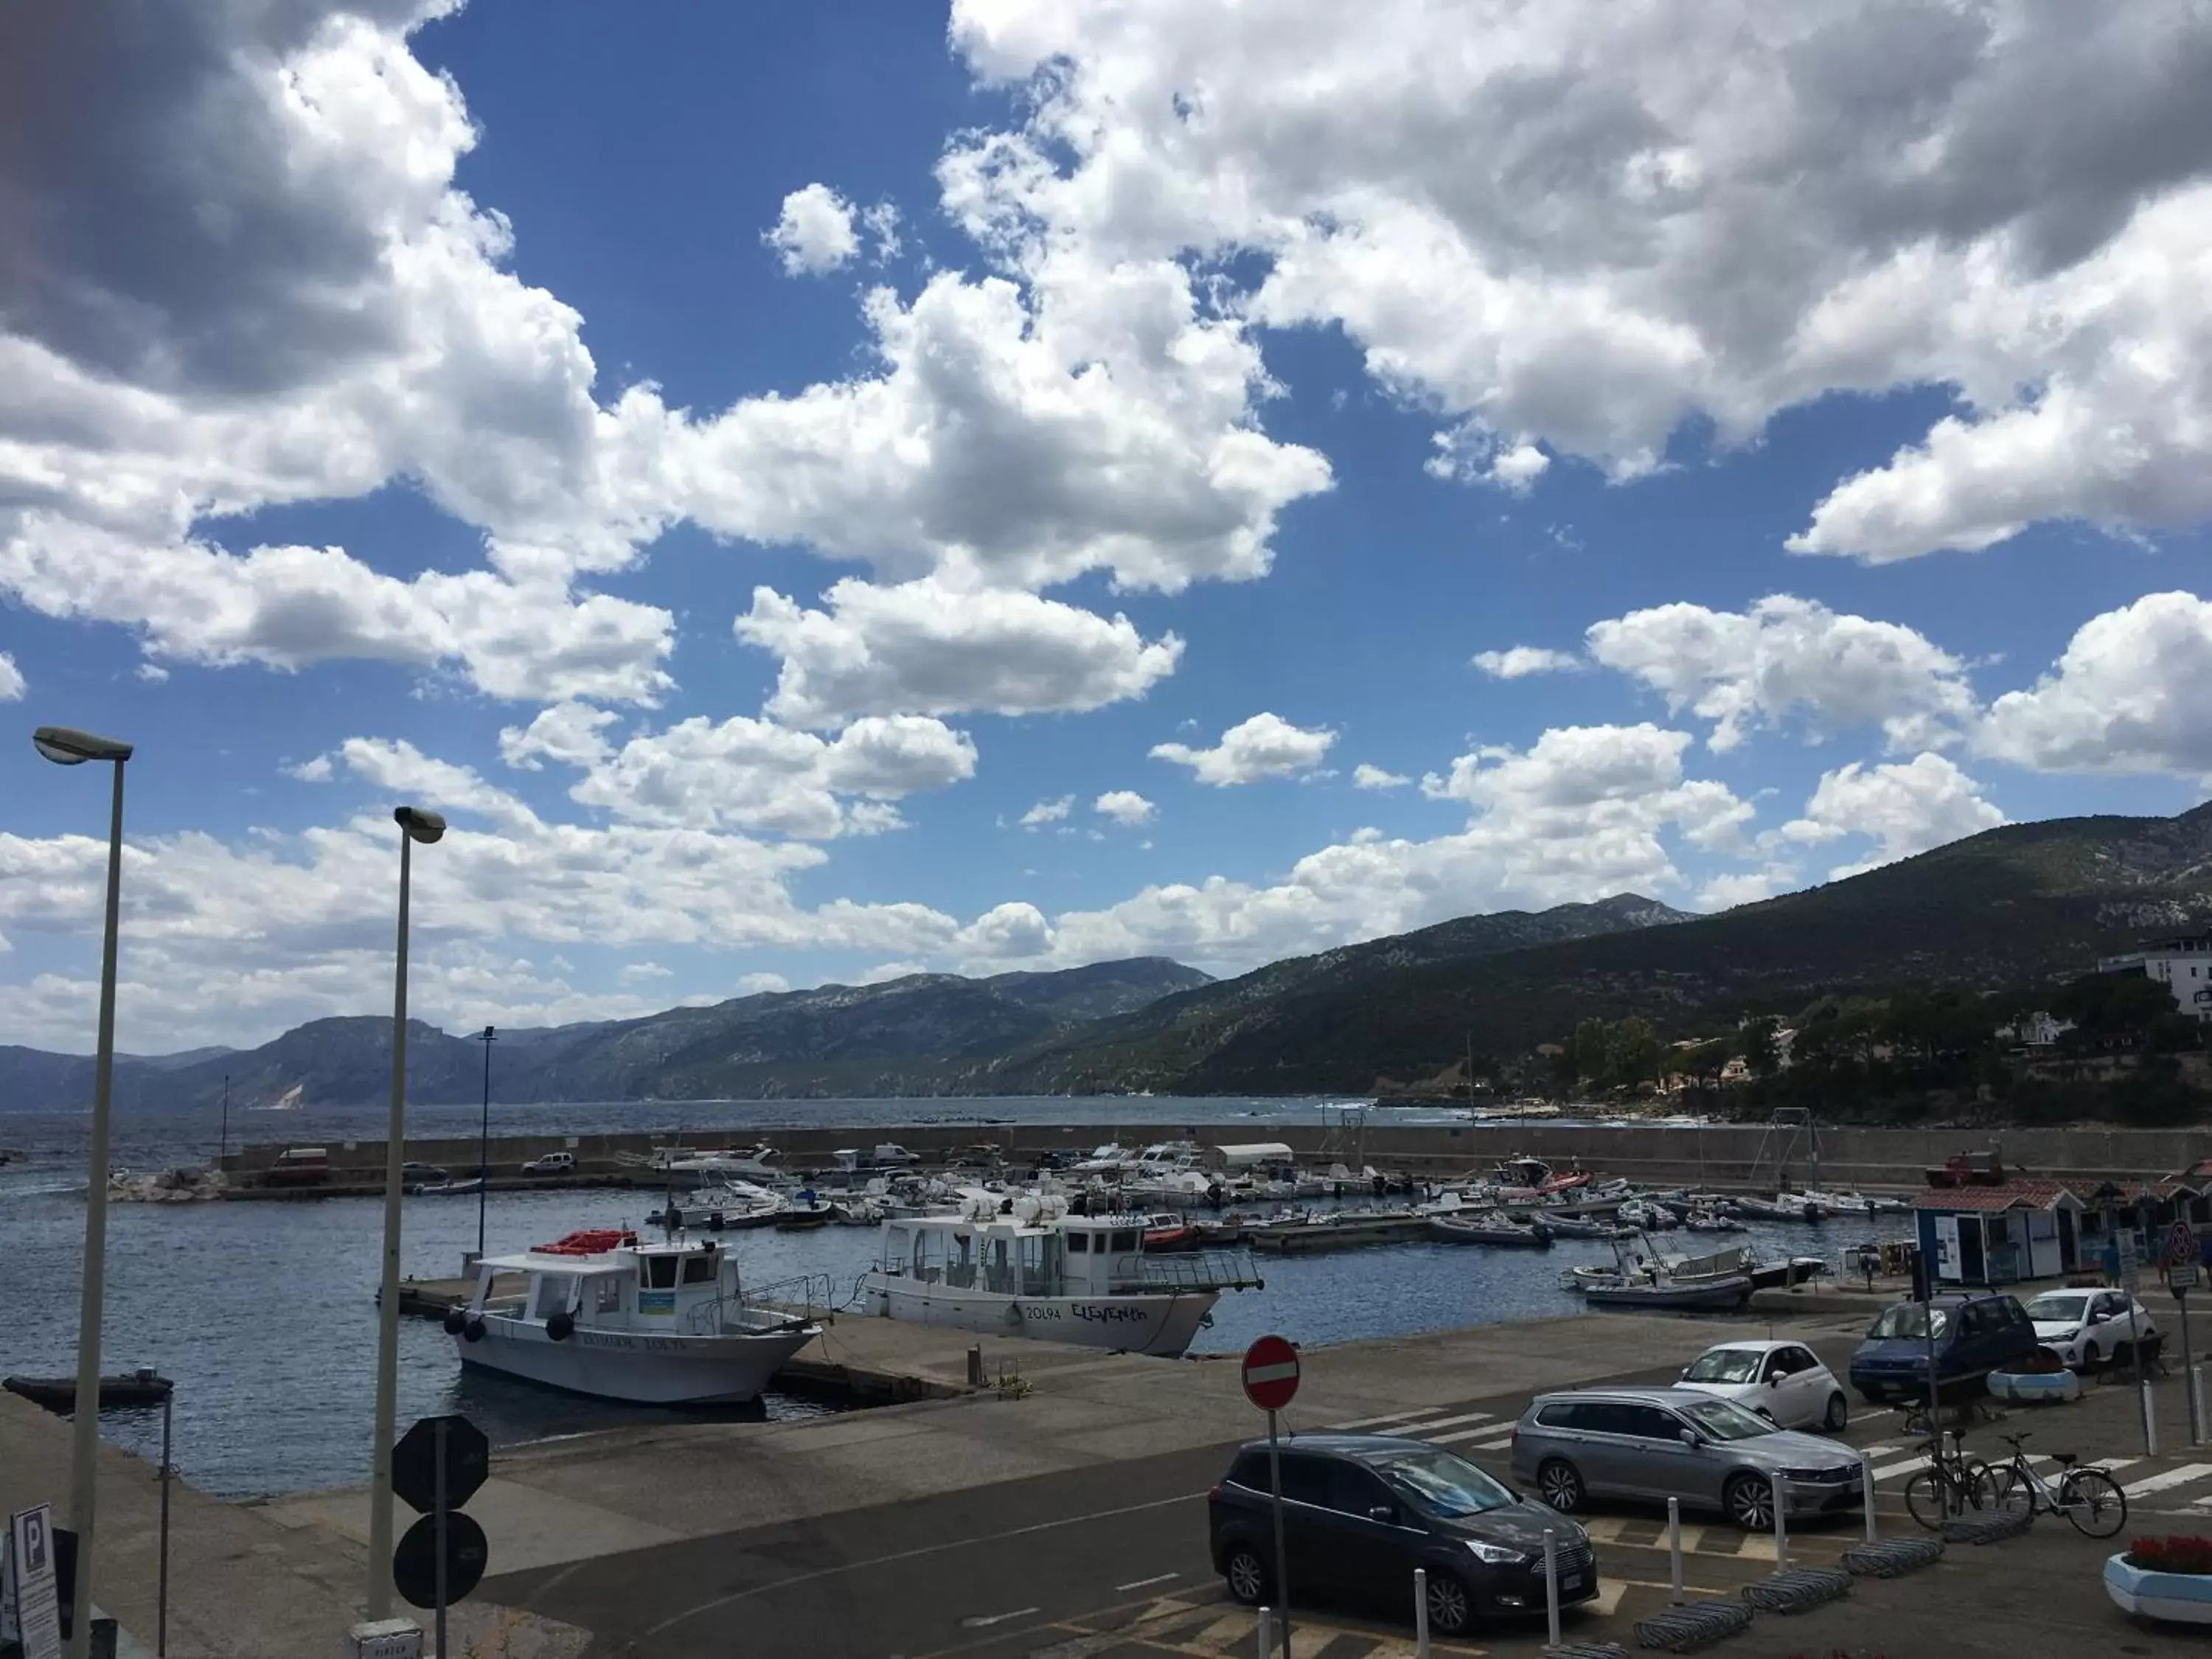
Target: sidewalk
[[240, 1585]]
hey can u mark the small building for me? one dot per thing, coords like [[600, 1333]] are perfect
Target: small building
[[1992, 1236], [2182, 963], [2041, 1030]]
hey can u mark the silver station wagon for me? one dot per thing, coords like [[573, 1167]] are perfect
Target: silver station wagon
[[1650, 1444]]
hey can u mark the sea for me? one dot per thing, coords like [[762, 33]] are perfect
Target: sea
[[263, 1314]]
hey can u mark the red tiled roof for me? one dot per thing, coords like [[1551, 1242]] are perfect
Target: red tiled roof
[[2028, 1194]]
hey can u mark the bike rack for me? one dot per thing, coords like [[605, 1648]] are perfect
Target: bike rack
[[1988, 1528], [1798, 1589], [1682, 1630], [1587, 1650], [1892, 1558]]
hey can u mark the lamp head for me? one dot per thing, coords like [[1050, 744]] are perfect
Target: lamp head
[[488, 1034], [64, 745], [425, 827]]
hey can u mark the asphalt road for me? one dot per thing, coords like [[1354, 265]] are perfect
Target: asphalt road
[[1111, 1562]]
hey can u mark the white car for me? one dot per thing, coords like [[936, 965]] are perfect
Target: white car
[[551, 1163], [1784, 1381], [2087, 1327]]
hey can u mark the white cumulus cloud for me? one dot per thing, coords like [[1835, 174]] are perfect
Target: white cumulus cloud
[[1125, 807], [1904, 807], [1364, 776], [1520, 661], [814, 233], [2128, 694], [1048, 811], [11, 679], [1265, 746]]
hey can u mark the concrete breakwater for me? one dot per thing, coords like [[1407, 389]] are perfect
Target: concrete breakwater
[[1724, 1154]]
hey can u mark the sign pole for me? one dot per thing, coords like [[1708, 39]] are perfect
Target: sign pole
[[1282, 1555], [440, 1511], [2188, 1369]]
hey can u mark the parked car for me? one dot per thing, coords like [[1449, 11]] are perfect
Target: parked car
[[1782, 1382], [551, 1163], [1975, 1334], [412, 1174], [1361, 1511], [1650, 1444], [2088, 1327]]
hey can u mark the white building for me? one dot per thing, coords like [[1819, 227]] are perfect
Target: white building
[[2183, 964], [2039, 1030]]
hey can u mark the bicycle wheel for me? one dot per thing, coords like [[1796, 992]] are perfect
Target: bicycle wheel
[[1927, 1499], [2093, 1502], [2003, 1488]]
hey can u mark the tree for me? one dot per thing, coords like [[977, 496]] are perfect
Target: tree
[[1756, 1042]]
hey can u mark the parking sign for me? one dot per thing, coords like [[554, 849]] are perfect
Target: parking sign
[[38, 1600]]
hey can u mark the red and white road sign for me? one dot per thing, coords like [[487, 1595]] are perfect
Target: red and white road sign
[[1271, 1373]]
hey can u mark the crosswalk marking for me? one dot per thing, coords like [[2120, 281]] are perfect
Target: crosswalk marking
[[2178, 1477], [1890, 1471], [1400, 1418], [1472, 1434], [1454, 1422]]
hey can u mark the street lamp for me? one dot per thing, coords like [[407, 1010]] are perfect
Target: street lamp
[[65, 747], [483, 1141], [425, 827]]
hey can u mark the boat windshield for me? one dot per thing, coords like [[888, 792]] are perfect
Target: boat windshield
[[2058, 1309], [1724, 1421], [1444, 1486], [1906, 1319], [1724, 1365]]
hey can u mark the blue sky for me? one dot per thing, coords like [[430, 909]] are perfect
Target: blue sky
[[406, 404]]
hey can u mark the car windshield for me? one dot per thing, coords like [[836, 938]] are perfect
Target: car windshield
[[1724, 1365], [1906, 1319], [1446, 1486], [1724, 1421], [2058, 1310]]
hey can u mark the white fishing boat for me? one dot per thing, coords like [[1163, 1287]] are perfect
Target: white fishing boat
[[602, 1314], [727, 1208], [1022, 1266]]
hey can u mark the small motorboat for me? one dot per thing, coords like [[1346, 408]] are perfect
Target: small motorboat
[[58, 1393], [804, 1210], [1582, 1227], [1664, 1293], [1647, 1215], [449, 1188], [1711, 1221], [1491, 1228]]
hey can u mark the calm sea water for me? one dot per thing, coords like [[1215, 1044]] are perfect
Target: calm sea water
[[264, 1313]]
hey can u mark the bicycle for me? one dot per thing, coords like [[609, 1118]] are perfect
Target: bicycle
[[2086, 1495], [1949, 1485]]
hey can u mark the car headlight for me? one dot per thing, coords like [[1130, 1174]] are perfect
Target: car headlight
[[1497, 1555]]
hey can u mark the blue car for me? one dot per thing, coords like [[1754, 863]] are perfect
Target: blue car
[[1975, 1334]]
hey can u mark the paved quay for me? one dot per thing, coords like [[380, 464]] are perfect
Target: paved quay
[[1061, 1510]]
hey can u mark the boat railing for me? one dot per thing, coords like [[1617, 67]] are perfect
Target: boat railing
[[1198, 1270]]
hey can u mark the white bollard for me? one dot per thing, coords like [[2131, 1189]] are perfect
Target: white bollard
[[1266, 1634], [1674, 1550], [2150, 1424], [1866, 1494], [1420, 1613], [1552, 1582], [2196, 1393], [1781, 1523]]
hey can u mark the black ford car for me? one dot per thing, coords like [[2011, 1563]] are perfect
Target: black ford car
[[1361, 1511]]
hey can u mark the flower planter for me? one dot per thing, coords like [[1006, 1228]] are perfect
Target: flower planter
[[2181, 1598], [2035, 1388]]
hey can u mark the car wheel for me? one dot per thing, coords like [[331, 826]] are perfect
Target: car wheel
[[1839, 1413], [1561, 1486], [1451, 1609], [2092, 1357], [1749, 1502], [1248, 1579]]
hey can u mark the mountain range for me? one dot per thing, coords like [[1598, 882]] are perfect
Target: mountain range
[[2009, 907]]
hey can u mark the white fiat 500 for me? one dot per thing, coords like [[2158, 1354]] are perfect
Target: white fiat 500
[[1782, 1382]]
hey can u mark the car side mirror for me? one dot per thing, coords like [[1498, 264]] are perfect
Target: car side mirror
[[1382, 1512], [1775, 1380], [1689, 1437], [2098, 1317]]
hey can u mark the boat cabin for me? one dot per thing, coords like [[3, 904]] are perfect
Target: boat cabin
[[604, 1279], [1096, 1255]]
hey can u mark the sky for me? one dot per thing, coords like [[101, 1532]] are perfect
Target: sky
[[818, 493]]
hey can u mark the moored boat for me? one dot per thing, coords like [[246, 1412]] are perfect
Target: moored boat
[[1492, 1228], [602, 1314], [1724, 1294]]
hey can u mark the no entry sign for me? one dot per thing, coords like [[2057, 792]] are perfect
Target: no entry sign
[[1271, 1373]]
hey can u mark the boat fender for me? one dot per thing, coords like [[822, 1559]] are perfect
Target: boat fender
[[453, 1321], [473, 1331], [560, 1327]]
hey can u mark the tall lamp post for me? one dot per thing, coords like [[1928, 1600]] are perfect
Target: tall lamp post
[[425, 827], [65, 747], [483, 1140]]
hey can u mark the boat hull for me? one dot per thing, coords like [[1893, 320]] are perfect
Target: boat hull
[[1164, 1324], [1718, 1296], [640, 1369]]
